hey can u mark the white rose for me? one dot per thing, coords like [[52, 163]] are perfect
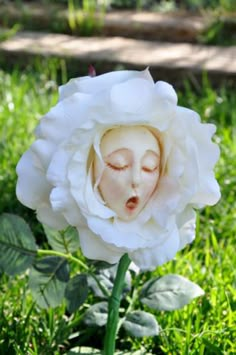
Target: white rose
[[55, 176]]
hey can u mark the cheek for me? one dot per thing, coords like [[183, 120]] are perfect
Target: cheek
[[113, 184], [150, 181]]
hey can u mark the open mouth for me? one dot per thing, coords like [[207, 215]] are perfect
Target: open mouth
[[132, 203]]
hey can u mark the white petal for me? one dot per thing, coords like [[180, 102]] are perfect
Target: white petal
[[70, 88], [110, 233], [57, 170], [186, 222], [166, 92], [47, 216], [150, 258], [94, 205], [44, 150], [64, 118], [208, 192], [32, 187], [126, 235], [94, 248], [62, 202], [166, 200], [132, 95], [94, 85]]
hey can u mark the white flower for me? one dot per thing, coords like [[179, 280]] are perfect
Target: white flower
[[55, 176]]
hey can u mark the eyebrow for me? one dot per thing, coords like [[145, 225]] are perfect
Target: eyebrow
[[152, 151], [117, 151], [129, 150]]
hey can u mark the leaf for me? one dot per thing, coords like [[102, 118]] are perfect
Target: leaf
[[141, 324], [96, 315], [47, 281], [106, 277], [17, 244], [76, 292], [64, 241], [99, 264], [169, 292], [104, 281]]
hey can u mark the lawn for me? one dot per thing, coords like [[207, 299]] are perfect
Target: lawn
[[207, 325]]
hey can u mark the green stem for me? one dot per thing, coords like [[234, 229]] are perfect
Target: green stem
[[69, 257], [114, 305]]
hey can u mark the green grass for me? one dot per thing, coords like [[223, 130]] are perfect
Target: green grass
[[207, 325]]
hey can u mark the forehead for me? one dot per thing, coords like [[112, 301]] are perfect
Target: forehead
[[135, 138]]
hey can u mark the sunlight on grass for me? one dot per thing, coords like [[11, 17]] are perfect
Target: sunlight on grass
[[207, 325]]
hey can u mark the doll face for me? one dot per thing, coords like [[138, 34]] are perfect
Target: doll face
[[132, 158]]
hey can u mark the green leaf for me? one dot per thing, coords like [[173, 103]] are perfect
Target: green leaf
[[66, 241], [169, 292], [17, 244], [96, 315], [141, 324], [47, 281], [104, 281], [99, 264], [106, 277], [76, 292]]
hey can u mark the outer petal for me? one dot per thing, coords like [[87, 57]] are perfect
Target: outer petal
[[166, 92], [94, 248], [57, 170], [32, 186], [133, 95], [70, 88], [47, 216], [94, 85], [150, 258], [64, 118], [186, 222], [127, 235], [63, 203], [166, 200]]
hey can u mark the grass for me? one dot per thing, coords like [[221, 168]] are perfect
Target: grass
[[207, 325]]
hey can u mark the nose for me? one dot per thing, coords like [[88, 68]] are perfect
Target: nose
[[136, 176]]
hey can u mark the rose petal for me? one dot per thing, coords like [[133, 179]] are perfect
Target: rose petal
[[150, 258], [44, 150], [70, 88], [32, 186], [94, 248], [166, 91], [126, 96], [57, 170], [64, 118], [94, 205], [94, 85], [186, 222], [47, 216], [62, 202], [208, 192]]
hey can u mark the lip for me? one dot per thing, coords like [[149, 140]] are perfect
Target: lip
[[132, 203]]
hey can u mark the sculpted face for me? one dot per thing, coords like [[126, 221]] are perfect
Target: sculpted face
[[132, 159]]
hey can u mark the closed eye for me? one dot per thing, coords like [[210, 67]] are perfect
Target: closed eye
[[117, 167], [149, 169]]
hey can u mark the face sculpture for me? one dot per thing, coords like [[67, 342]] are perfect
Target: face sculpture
[[132, 158]]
